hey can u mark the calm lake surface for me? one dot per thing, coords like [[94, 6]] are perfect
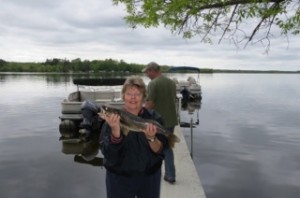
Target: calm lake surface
[[246, 145]]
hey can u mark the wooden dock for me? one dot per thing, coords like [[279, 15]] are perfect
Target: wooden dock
[[188, 183]]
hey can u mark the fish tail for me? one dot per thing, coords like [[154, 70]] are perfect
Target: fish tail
[[172, 139]]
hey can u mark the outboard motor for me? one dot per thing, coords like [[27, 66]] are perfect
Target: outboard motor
[[91, 119], [185, 94]]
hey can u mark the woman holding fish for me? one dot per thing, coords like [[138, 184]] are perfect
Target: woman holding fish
[[132, 147]]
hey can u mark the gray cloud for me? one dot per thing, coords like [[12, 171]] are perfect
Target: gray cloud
[[34, 30]]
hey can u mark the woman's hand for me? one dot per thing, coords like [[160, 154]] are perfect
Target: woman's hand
[[154, 143], [113, 120], [150, 131]]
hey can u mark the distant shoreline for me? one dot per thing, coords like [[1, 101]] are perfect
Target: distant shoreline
[[108, 66], [126, 73], [254, 71]]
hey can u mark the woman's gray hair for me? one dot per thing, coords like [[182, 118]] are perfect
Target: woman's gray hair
[[134, 81]]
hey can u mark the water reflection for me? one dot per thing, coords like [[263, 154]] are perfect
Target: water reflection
[[246, 144], [191, 107], [84, 151]]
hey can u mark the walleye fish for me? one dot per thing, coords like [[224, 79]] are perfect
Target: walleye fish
[[130, 122]]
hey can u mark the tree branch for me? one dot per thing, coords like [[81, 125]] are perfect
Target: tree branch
[[230, 20]]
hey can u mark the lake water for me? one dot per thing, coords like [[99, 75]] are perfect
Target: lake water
[[247, 142]]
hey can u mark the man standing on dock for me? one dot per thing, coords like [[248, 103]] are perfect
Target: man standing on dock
[[161, 96]]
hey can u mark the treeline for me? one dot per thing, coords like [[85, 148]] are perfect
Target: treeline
[[57, 65], [77, 65], [67, 66], [252, 71]]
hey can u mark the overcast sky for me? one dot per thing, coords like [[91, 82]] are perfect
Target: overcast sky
[[36, 30]]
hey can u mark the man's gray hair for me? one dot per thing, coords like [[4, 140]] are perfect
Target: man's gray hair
[[152, 66]]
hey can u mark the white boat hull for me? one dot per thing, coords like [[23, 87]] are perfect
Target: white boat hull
[[72, 105]]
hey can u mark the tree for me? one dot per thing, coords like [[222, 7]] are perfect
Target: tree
[[240, 21]]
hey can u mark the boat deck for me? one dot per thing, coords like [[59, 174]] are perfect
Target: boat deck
[[188, 182]]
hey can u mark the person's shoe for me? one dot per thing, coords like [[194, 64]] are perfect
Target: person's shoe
[[169, 180]]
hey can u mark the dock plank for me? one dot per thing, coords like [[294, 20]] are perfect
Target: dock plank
[[188, 183]]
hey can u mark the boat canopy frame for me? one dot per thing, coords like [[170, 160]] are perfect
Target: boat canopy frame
[[177, 69], [184, 68], [99, 81]]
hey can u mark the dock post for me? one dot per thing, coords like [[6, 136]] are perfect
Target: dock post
[[191, 127]]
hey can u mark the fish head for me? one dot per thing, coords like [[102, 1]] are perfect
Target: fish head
[[106, 110]]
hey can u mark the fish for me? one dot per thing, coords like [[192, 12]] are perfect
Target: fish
[[131, 122]]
